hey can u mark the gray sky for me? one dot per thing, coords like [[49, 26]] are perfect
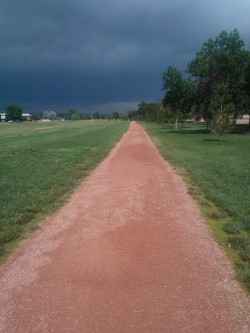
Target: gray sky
[[103, 55]]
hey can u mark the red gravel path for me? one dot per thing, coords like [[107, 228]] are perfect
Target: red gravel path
[[129, 252]]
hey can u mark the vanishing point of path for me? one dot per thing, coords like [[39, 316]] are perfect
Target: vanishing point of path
[[129, 252]]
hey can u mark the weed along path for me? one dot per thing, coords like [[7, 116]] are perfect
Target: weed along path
[[129, 252]]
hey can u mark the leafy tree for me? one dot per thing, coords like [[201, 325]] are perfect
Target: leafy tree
[[222, 108], [147, 111], [247, 90], [143, 109], [152, 112], [123, 116], [35, 117], [180, 92], [49, 115], [96, 115], [132, 114], [155, 112], [220, 72], [165, 115], [115, 115], [13, 112], [73, 114], [247, 79]]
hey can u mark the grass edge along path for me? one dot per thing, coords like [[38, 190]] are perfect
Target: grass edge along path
[[218, 178], [40, 166]]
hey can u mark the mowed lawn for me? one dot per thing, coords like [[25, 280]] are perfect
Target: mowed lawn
[[40, 164], [218, 175]]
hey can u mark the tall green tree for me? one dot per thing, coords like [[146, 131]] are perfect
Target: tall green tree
[[221, 109], [148, 111], [165, 115], [13, 112], [247, 90], [220, 72], [179, 92], [143, 109]]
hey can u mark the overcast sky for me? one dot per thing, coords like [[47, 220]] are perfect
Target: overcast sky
[[103, 55]]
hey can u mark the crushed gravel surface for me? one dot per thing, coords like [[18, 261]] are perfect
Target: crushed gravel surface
[[129, 252]]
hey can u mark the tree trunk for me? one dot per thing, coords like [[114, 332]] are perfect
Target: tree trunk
[[176, 121]]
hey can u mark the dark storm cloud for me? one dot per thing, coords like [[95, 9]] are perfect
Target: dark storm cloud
[[82, 52]]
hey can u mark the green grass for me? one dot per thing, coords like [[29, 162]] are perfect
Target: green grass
[[41, 163], [218, 176]]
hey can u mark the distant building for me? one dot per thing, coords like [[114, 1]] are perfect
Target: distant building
[[244, 120], [2, 117], [25, 117]]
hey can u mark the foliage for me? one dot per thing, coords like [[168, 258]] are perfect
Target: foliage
[[123, 116], [247, 89], [73, 114], [115, 115], [41, 163], [96, 115], [218, 88], [13, 112], [220, 69], [151, 112], [221, 109], [165, 115], [49, 115], [247, 79], [180, 92], [132, 114], [35, 117]]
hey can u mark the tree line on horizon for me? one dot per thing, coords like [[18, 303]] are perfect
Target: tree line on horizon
[[14, 113], [215, 86]]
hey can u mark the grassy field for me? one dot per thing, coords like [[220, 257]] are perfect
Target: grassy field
[[41, 163], [218, 176]]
